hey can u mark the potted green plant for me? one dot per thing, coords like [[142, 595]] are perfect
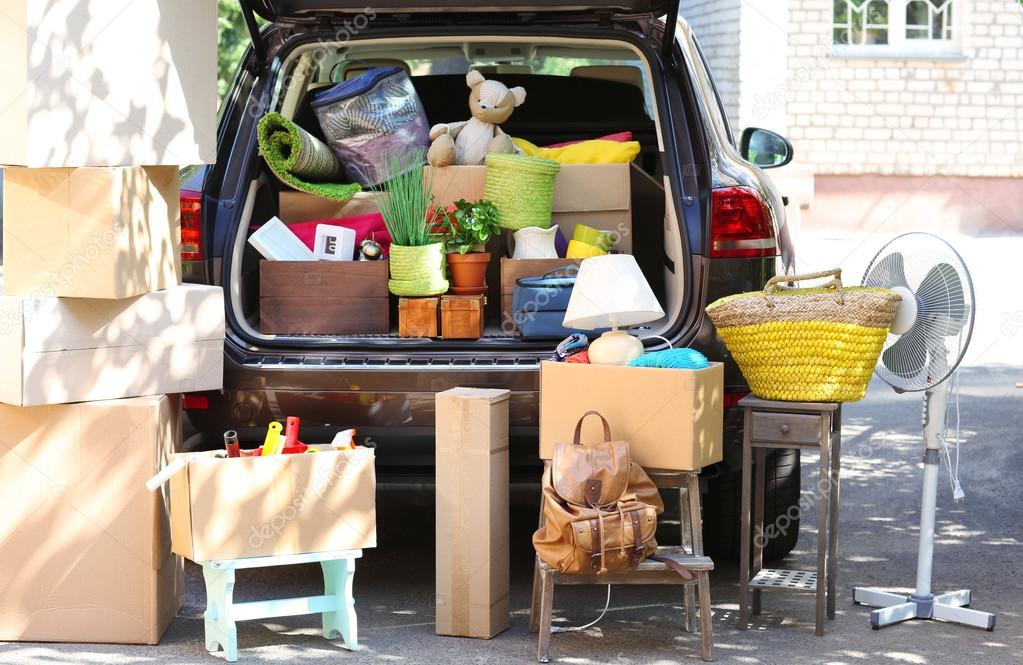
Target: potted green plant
[[416, 257], [467, 226]]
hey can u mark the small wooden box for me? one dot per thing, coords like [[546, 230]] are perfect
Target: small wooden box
[[515, 269], [323, 298], [417, 317], [461, 317]]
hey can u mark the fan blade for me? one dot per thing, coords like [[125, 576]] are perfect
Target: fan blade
[[942, 300], [907, 356], [887, 273]]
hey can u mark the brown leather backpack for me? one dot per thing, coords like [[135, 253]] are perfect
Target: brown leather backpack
[[600, 510]]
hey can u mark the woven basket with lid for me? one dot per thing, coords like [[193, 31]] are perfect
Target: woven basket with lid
[[522, 188]]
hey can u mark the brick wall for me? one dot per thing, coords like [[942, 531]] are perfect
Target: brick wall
[[716, 25], [850, 116]]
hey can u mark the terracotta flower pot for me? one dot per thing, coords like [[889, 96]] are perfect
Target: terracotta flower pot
[[469, 271]]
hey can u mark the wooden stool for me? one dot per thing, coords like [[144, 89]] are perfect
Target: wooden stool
[[801, 425], [689, 555], [336, 605]]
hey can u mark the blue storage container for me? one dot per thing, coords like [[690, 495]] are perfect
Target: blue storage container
[[539, 304]]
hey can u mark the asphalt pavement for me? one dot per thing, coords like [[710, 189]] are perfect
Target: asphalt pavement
[[978, 547]]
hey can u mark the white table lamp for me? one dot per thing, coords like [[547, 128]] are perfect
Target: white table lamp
[[611, 292]]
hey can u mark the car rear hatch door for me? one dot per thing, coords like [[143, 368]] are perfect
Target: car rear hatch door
[[302, 11], [297, 10]]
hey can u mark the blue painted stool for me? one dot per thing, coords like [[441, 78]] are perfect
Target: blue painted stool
[[337, 605]]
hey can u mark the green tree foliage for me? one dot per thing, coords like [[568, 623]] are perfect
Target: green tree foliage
[[233, 40]]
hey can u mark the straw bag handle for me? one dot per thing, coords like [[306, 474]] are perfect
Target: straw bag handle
[[834, 283]]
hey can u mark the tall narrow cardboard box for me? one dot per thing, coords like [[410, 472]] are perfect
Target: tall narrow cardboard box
[[472, 512]]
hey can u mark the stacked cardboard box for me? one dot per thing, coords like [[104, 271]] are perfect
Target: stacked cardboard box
[[96, 328]]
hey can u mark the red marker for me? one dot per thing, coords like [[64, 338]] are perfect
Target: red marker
[[231, 443], [292, 432]]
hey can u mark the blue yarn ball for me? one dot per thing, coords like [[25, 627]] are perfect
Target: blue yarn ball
[[672, 358]]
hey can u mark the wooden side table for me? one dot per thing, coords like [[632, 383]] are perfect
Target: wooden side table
[[336, 605], [800, 425]]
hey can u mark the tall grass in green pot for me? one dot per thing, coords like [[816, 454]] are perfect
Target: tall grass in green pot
[[416, 257]]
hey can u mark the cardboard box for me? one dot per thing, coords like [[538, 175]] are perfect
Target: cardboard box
[[323, 298], [91, 232], [268, 506], [58, 350], [598, 195], [514, 269], [108, 83], [672, 418], [472, 512], [85, 554], [294, 206]]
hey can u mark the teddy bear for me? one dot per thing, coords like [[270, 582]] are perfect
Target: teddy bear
[[470, 141]]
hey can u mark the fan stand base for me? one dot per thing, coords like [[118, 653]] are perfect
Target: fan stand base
[[897, 607]]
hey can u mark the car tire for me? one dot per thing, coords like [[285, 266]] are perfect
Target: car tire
[[721, 508]]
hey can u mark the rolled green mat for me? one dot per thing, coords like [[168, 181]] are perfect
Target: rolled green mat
[[301, 160]]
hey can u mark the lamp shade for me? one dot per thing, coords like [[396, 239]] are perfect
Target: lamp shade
[[611, 291]]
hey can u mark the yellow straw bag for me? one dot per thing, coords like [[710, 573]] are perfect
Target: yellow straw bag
[[806, 345]]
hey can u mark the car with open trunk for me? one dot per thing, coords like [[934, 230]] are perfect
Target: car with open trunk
[[704, 220]]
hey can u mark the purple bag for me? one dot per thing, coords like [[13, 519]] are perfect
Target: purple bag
[[370, 118]]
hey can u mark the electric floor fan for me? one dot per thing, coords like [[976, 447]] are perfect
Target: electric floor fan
[[927, 342]]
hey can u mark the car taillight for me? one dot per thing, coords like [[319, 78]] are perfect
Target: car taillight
[[197, 401], [740, 226], [731, 399], [191, 226]]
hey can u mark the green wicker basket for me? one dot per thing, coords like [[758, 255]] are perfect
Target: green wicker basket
[[522, 188], [417, 271]]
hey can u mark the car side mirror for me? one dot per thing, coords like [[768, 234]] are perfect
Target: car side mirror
[[765, 148]]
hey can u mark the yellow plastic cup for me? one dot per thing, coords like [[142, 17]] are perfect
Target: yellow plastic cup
[[604, 240], [581, 250]]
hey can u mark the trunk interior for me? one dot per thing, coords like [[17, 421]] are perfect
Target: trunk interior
[[576, 90]]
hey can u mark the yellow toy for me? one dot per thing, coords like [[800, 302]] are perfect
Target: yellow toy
[[273, 443]]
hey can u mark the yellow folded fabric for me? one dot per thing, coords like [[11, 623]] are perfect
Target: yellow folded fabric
[[594, 151]]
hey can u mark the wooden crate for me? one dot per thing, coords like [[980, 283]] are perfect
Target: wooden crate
[[323, 298], [461, 317], [417, 317], [514, 269]]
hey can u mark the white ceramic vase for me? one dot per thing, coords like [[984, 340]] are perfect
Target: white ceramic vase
[[535, 242]]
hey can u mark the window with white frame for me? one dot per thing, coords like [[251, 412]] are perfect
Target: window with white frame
[[897, 27]]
